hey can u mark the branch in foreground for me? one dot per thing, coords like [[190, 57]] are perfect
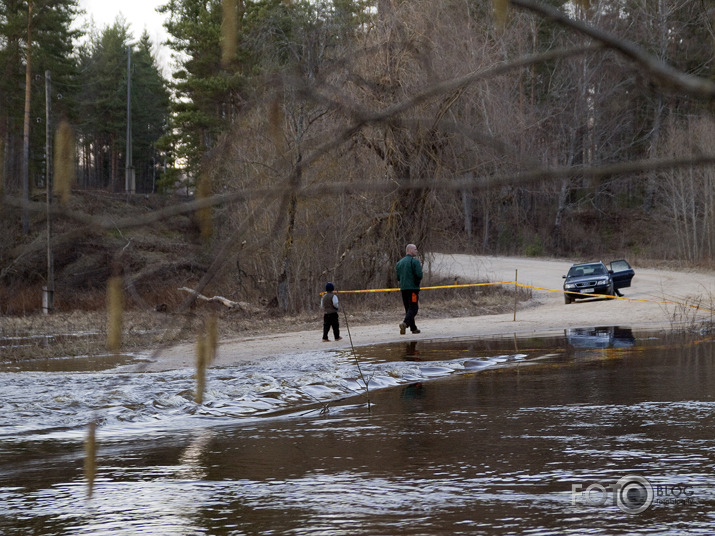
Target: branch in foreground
[[658, 69], [458, 184]]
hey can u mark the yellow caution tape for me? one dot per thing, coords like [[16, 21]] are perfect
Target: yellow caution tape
[[466, 285], [422, 288]]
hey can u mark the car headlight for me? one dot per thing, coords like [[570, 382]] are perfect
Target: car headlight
[[602, 282], [569, 285]]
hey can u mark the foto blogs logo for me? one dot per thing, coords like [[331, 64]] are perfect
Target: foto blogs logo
[[632, 494]]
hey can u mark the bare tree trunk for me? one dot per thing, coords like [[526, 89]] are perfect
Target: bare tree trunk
[[4, 161], [284, 286], [114, 173], [560, 211], [486, 222], [651, 182], [87, 156], [468, 207], [97, 167], [691, 184], [284, 291], [26, 124]]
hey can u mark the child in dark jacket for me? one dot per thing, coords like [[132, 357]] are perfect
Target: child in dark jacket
[[329, 305]]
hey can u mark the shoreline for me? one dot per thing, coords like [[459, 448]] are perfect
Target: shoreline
[[658, 299], [644, 306]]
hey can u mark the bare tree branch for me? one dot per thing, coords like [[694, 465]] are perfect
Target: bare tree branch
[[660, 71], [312, 191]]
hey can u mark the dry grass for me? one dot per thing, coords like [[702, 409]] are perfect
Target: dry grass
[[684, 316], [80, 333]]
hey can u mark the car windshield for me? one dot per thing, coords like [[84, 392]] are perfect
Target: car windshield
[[587, 270]]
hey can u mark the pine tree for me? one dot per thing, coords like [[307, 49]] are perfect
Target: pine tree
[[150, 112], [50, 49], [104, 109], [205, 92]]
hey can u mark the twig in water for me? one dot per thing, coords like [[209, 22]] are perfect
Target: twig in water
[[365, 381], [90, 457]]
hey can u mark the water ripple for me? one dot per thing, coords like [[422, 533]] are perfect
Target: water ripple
[[44, 404]]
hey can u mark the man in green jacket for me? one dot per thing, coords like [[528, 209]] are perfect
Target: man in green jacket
[[409, 275]]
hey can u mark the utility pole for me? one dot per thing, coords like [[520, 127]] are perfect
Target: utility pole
[[48, 291], [129, 179]]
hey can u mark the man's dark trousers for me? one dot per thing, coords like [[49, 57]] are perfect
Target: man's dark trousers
[[411, 301]]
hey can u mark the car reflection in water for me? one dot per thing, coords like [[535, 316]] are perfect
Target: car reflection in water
[[600, 337]]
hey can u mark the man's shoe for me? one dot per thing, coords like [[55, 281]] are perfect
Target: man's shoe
[[416, 331], [326, 340], [403, 328], [339, 339]]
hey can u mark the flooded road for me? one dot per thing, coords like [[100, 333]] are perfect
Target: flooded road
[[569, 433]]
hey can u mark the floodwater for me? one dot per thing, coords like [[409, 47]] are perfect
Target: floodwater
[[596, 431]]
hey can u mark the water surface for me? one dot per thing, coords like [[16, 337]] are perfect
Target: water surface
[[486, 436]]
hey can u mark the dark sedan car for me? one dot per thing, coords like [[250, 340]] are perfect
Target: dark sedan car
[[587, 280]]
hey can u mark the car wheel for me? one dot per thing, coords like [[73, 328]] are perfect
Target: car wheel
[[611, 292], [567, 298]]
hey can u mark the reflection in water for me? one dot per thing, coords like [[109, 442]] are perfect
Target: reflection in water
[[600, 337], [472, 439], [191, 459], [411, 351], [414, 390]]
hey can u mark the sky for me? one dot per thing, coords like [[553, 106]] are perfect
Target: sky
[[140, 14]]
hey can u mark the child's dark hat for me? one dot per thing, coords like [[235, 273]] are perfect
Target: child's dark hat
[[329, 287]]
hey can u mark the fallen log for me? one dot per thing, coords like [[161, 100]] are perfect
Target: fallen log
[[220, 299]]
